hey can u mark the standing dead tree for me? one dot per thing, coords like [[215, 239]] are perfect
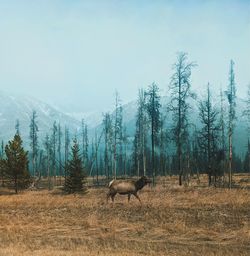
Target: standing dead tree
[[209, 134], [246, 113], [34, 141], [180, 92], [231, 95], [153, 109]]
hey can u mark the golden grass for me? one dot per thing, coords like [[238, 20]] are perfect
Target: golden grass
[[171, 221]]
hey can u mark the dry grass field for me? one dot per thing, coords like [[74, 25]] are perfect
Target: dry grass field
[[172, 220]]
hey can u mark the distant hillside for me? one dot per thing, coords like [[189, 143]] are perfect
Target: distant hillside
[[13, 107], [129, 119]]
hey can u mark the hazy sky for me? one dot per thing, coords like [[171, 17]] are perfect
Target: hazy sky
[[76, 53]]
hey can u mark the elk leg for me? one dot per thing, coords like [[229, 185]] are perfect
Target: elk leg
[[108, 196], [137, 197], [113, 197], [129, 195]]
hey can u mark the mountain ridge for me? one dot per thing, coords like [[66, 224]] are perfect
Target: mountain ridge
[[16, 106]]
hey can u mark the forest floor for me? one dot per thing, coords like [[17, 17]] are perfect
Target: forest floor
[[172, 220]]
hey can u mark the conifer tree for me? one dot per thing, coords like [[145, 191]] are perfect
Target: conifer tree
[[17, 127], [246, 113], [59, 147], [83, 140], [53, 155], [247, 110], [96, 158], [222, 133], [162, 146], [153, 109], [231, 96], [2, 149], [120, 140], [85, 144], [66, 149], [75, 173], [117, 130], [48, 150], [209, 134], [141, 131], [246, 162], [180, 91], [16, 164], [34, 141], [136, 152], [125, 142], [108, 131], [2, 163]]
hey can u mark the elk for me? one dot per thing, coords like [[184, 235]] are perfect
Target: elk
[[126, 187]]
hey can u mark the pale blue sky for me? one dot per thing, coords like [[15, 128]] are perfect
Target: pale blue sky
[[77, 53]]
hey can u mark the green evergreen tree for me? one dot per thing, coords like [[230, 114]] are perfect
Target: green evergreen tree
[[16, 164], [75, 173]]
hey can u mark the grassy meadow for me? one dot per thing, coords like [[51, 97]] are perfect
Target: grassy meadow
[[172, 220]]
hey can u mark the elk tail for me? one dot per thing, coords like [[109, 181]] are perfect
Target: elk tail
[[110, 183]]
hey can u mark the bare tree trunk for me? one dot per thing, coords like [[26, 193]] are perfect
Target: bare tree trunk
[[144, 155], [144, 165], [230, 158], [16, 190], [96, 153], [153, 153], [125, 161], [48, 173], [179, 135], [249, 162], [138, 167]]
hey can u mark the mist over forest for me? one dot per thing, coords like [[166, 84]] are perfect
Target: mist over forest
[[181, 133]]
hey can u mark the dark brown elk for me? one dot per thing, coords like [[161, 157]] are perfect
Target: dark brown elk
[[126, 187]]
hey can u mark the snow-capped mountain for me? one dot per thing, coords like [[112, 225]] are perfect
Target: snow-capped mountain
[[13, 107], [91, 119], [129, 120]]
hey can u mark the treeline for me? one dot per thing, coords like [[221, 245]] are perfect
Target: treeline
[[165, 142]]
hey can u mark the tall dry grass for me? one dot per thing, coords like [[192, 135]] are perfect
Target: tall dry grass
[[170, 221]]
